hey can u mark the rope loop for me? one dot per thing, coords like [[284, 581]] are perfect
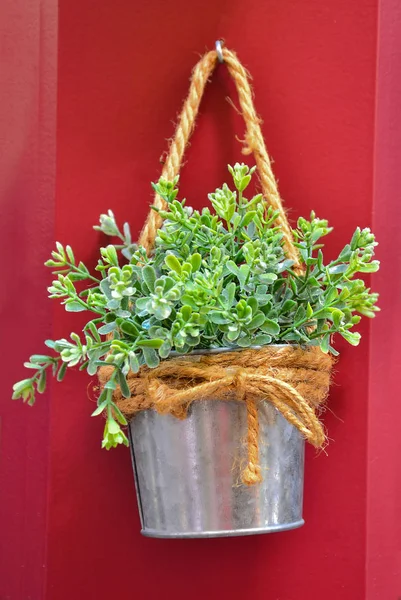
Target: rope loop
[[254, 144]]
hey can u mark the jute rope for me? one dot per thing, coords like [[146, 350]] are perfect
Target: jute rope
[[294, 379], [253, 137]]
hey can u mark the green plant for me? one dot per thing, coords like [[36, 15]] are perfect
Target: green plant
[[213, 280]]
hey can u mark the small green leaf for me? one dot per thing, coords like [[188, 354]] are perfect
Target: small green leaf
[[268, 278], [110, 385], [288, 306], [41, 385], [261, 340], [232, 267], [151, 357], [153, 343], [271, 327], [119, 415], [196, 261], [70, 254], [337, 315], [22, 385], [173, 263], [352, 337], [218, 317], [123, 385], [62, 370], [73, 306], [149, 277], [244, 342], [257, 321], [228, 295], [129, 328], [133, 361], [325, 343], [108, 328], [39, 359], [247, 218], [99, 409], [165, 349], [186, 312]]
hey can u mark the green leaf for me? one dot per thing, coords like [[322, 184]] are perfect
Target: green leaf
[[244, 342], [271, 327], [247, 218], [337, 315], [325, 343], [149, 277], [261, 340], [243, 274], [41, 384], [61, 372], [105, 287], [151, 357], [129, 328], [196, 261], [338, 269], [119, 415], [369, 267], [99, 409], [108, 328], [133, 362], [70, 254], [173, 263], [111, 254], [112, 426], [232, 267], [352, 337], [268, 278], [22, 385], [257, 321], [186, 312], [288, 306], [39, 359], [165, 349], [228, 295], [300, 314], [111, 385], [123, 385], [218, 317], [73, 306], [153, 343], [355, 239]]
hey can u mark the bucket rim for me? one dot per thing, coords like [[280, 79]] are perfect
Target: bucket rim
[[224, 349]]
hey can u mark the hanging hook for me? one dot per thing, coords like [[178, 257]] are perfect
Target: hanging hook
[[219, 51]]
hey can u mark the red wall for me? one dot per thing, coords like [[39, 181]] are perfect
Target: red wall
[[122, 75]]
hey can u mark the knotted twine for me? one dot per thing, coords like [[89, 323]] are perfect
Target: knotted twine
[[294, 379]]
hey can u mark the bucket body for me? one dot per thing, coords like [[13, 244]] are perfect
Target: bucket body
[[188, 472]]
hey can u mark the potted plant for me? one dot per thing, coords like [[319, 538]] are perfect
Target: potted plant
[[213, 345]]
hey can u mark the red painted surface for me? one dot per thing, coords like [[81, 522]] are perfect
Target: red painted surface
[[28, 38], [383, 554], [122, 75]]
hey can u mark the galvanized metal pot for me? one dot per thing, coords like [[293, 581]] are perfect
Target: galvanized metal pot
[[188, 473]]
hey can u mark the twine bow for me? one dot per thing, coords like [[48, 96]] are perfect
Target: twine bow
[[293, 379]]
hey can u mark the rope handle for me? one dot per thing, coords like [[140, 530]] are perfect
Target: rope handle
[[253, 138]]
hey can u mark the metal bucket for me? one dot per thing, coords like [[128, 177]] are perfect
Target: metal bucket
[[188, 473]]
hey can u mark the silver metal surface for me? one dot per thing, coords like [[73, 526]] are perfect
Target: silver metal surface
[[188, 473], [219, 51]]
